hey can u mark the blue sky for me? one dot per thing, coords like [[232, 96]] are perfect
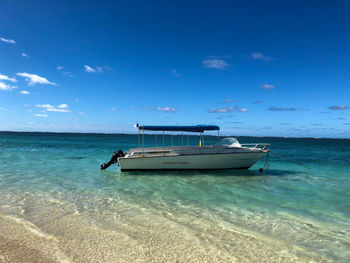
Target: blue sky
[[260, 68]]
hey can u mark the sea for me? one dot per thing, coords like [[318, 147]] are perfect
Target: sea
[[56, 205]]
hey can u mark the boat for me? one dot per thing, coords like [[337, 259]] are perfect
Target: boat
[[227, 153]]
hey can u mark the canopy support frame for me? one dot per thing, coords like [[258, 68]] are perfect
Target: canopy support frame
[[199, 128]]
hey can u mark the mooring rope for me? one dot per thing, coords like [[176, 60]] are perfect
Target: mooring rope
[[297, 163], [267, 164]]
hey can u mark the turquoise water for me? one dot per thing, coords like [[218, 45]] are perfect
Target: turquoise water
[[54, 197]]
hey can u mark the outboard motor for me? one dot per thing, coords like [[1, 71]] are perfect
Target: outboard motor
[[113, 160]]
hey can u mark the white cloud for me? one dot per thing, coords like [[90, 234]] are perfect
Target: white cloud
[[10, 41], [229, 100], [46, 106], [338, 107], [80, 112], [92, 70], [25, 55], [33, 79], [63, 106], [4, 77], [215, 63], [41, 115], [49, 107], [31, 122], [227, 110], [273, 108], [267, 86], [67, 74], [222, 110], [260, 56], [4, 86], [25, 92], [2, 109], [57, 110], [112, 109], [167, 109], [175, 73]]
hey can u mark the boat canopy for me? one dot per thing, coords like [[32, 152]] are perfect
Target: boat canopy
[[197, 128]]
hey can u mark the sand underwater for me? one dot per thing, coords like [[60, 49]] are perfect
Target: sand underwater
[[57, 206]]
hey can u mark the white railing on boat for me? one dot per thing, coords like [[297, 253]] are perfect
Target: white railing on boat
[[261, 146]]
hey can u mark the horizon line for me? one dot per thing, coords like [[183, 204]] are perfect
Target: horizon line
[[192, 134]]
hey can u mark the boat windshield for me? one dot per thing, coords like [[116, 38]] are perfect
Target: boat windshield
[[229, 142]]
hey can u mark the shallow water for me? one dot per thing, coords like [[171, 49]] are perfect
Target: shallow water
[[58, 205]]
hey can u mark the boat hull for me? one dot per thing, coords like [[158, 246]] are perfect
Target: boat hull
[[192, 162]]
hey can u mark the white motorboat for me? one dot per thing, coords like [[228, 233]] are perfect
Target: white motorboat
[[226, 154]]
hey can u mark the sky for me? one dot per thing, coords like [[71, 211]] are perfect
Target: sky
[[255, 68]]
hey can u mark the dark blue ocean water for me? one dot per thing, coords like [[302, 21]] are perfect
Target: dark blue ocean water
[[297, 210]]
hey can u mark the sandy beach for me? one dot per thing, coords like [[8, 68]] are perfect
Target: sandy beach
[[58, 232]]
